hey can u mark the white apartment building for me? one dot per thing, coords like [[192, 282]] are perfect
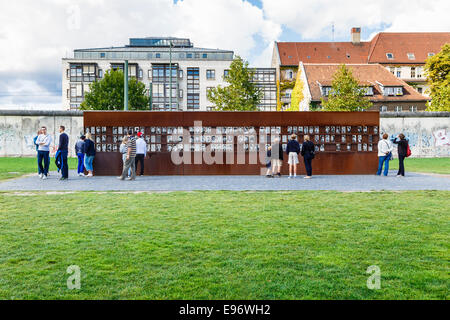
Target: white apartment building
[[194, 71]]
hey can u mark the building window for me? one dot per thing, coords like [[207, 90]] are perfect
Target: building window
[[383, 108], [180, 74], [225, 73], [411, 56], [399, 73], [348, 55], [413, 108], [430, 54], [325, 91], [68, 94], [419, 72], [390, 56], [76, 73], [189, 55], [210, 74], [158, 55], [100, 73], [368, 91], [308, 57], [419, 89], [197, 55], [149, 74], [392, 69], [413, 72], [205, 55], [398, 109], [289, 74], [68, 73], [399, 91], [76, 93], [193, 88], [180, 93], [102, 55]]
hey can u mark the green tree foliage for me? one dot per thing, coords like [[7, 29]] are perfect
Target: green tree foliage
[[241, 94], [107, 94], [345, 94], [437, 70], [297, 93]]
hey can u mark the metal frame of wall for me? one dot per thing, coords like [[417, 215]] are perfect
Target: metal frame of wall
[[108, 127]]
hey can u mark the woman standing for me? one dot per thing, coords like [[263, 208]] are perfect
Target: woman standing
[[293, 149], [308, 154], [276, 157], [384, 155], [89, 151], [402, 144], [79, 151], [123, 150]]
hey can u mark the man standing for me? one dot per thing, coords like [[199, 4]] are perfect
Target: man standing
[[141, 150], [63, 148], [43, 141], [130, 159]]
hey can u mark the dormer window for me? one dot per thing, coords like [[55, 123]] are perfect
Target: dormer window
[[348, 55], [325, 91], [392, 91], [368, 91], [390, 56], [430, 54], [411, 56]]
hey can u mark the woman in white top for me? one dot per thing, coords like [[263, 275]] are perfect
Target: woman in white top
[[384, 154], [123, 149]]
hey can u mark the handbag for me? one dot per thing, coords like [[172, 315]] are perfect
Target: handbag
[[408, 151]]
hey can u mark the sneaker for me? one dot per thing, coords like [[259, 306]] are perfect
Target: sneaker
[[279, 175], [120, 178], [62, 178], [130, 179], [44, 177], [269, 176], [90, 175], [290, 177], [40, 175], [307, 177]]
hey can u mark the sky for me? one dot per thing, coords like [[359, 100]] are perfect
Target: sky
[[35, 35]]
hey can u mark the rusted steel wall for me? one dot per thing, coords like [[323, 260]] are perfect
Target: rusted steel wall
[[357, 154]]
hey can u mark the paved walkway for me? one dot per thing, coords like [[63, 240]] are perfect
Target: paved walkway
[[413, 181]]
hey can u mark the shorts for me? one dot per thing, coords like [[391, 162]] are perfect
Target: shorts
[[277, 162], [293, 158]]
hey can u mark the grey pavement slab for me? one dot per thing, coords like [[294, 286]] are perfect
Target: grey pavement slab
[[412, 181]]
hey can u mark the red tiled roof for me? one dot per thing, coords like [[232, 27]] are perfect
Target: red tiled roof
[[365, 73], [400, 44], [291, 53], [374, 51]]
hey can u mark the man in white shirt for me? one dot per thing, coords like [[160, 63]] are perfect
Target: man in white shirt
[[43, 141], [141, 151], [384, 154]]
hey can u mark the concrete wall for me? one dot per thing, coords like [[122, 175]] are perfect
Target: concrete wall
[[428, 132], [18, 127]]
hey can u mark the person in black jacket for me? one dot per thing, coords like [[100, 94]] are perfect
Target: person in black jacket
[[308, 155], [63, 148], [402, 147], [276, 157], [292, 150]]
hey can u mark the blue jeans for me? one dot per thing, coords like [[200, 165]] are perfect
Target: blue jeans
[[64, 165], [385, 160], [43, 155], [88, 160], [80, 162]]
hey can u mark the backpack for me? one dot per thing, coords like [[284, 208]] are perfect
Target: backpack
[[408, 150]]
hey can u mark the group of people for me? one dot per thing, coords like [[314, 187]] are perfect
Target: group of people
[[385, 149], [133, 153], [293, 149], [84, 148]]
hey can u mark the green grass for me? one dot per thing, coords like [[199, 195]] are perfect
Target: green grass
[[16, 167], [429, 165], [225, 245]]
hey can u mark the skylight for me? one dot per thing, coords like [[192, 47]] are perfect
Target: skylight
[[390, 56], [411, 56]]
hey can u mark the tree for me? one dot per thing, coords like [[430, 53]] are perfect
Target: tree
[[241, 94], [345, 94], [107, 94], [297, 93], [437, 70]]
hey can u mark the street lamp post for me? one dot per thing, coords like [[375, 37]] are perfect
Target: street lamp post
[[125, 83], [170, 74]]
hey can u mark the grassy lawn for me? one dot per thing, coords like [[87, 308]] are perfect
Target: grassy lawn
[[225, 245], [430, 165], [15, 167]]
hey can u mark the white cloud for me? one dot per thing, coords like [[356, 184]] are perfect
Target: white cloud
[[35, 35], [313, 19]]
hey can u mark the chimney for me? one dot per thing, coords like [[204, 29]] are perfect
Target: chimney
[[356, 35]]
